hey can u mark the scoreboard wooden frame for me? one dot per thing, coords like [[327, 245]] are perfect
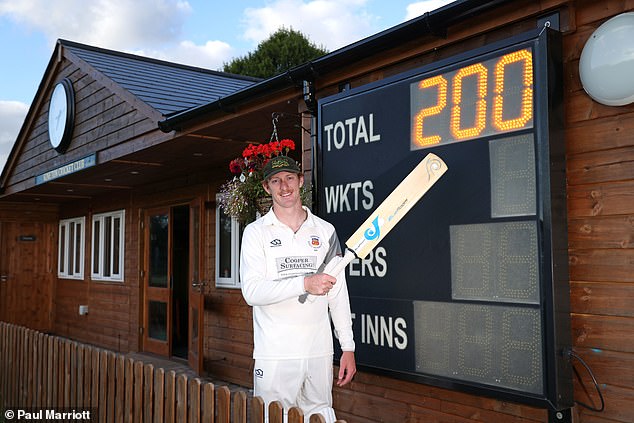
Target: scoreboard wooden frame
[[470, 291]]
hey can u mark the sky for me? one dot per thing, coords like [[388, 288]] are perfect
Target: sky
[[203, 33]]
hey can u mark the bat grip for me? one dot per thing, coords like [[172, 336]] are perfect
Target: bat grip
[[334, 266]]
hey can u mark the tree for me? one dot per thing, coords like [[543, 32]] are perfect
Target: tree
[[284, 49]]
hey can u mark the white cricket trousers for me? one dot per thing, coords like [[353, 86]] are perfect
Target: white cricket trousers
[[304, 383]]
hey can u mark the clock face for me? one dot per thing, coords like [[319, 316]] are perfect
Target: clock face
[[60, 115]]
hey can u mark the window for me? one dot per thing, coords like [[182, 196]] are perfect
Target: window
[[108, 245], [70, 260], [228, 235]]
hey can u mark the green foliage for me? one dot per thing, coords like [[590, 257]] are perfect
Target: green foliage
[[283, 50]]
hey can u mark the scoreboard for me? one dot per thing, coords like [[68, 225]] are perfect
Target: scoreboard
[[470, 290]]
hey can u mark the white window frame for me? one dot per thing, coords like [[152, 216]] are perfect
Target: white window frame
[[232, 281], [100, 238], [67, 260]]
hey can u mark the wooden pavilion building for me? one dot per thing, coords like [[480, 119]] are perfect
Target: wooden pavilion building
[[111, 235]]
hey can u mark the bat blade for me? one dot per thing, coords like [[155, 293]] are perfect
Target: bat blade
[[391, 211], [396, 205]]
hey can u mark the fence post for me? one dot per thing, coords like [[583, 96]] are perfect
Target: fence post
[[159, 395], [194, 400], [257, 410], [110, 386], [80, 376], [239, 407], [295, 415], [148, 392], [137, 407], [224, 405], [72, 365], [35, 368], [170, 396], [103, 386], [50, 342], [209, 403], [128, 414], [181, 398], [119, 401], [94, 379], [317, 418], [276, 412], [21, 382]]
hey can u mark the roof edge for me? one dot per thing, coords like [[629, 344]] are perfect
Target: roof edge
[[435, 22], [68, 43]]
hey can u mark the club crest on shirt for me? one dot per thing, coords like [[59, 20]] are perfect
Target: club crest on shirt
[[314, 241]]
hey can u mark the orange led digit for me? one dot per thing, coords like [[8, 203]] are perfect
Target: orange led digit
[[526, 112], [475, 100], [479, 120], [441, 83]]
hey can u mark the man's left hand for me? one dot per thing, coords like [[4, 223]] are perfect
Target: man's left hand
[[347, 368]]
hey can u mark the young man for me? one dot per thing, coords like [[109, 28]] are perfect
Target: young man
[[281, 268]]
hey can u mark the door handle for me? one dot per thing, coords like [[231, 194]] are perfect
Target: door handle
[[4, 278], [198, 284]]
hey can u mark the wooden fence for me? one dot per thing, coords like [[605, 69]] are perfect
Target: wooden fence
[[44, 372]]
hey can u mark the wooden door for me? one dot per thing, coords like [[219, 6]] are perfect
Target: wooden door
[[157, 282], [196, 290], [26, 274]]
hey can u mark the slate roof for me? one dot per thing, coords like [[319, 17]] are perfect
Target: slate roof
[[167, 87]]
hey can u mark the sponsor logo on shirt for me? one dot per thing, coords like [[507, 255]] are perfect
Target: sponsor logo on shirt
[[259, 373], [296, 265], [276, 243]]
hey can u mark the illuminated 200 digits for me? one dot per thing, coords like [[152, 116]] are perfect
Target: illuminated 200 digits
[[481, 99]]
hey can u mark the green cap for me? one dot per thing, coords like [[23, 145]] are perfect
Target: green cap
[[280, 164]]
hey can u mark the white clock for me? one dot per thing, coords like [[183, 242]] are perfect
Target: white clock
[[61, 115]]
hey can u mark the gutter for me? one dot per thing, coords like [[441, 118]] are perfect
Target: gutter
[[431, 23]]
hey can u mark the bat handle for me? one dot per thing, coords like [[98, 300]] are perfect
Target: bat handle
[[334, 266]]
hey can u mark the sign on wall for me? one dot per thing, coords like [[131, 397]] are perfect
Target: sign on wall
[[464, 292]]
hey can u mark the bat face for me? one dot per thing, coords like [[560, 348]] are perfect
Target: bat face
[[373, 232], [396, 205]]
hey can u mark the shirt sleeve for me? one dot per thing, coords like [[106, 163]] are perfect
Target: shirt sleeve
[[256, 289], [339, 305]]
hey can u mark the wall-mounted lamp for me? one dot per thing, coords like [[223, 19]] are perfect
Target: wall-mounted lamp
[[606, 66], [308, 93]]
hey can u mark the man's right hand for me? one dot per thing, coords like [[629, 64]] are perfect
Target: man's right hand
[[319, 283]]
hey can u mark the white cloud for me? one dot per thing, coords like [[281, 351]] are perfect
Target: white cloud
[[148, 27], [419, 8], [329, 23], [12, 114], [106, 23]]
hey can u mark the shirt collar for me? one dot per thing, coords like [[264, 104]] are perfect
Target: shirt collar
[[270, 218]]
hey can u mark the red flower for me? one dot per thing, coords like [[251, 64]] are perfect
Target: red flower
[[274, 147], [266, 151], [250, 151], [236, 166], [263, 150], [288, 144]]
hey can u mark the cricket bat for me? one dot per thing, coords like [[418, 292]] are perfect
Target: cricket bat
[[390, 212]]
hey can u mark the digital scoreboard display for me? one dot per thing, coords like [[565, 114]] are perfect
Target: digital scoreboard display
[[470, 290]]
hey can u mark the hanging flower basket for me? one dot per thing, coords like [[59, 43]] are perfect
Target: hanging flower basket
[[243, 195], [263, 205]]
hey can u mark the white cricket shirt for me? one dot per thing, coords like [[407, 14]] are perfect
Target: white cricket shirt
[[273, 263]]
